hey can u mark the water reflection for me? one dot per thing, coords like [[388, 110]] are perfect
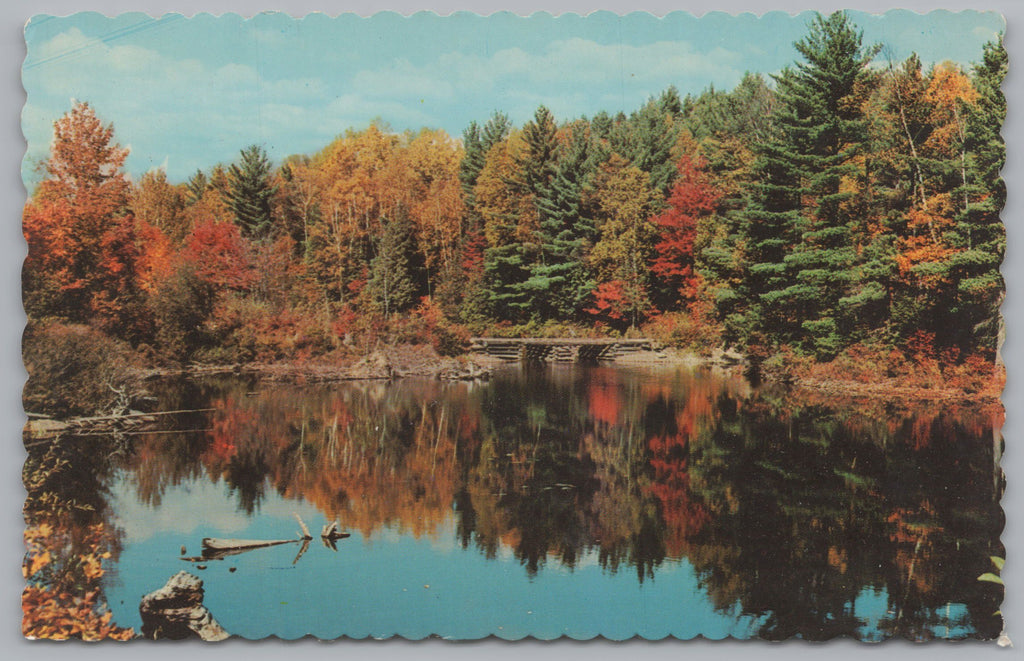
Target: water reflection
[[813, 517]]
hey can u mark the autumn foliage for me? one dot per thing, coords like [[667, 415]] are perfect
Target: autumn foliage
[[709, 222]]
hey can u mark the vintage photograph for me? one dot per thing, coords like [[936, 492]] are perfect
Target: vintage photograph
[[542, 326]]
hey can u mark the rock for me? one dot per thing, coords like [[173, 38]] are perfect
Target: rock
[[375, 366], [463, 371], [176, 611]]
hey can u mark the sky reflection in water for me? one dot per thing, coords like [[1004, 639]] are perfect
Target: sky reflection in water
[[569, 501]]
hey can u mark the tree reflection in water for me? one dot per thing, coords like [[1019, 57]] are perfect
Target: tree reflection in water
[[790, 505]]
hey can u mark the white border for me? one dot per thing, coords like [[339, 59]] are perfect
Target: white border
[[14, 13]]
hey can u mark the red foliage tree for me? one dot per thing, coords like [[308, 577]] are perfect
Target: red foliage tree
[[617, 304], [82, 251], [220, 255], [693, 197]]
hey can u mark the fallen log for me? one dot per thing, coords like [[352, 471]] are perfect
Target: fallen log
[[43, 428], [215, 549]]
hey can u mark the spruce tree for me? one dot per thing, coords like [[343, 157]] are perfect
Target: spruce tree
[[250, 192], [197, 184]]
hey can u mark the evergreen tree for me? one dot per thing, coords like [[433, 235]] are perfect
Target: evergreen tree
[[538, 162], [651, 134], [565, 232], [753, 311], [807, 174], [196, 185], [473, 159], [536, 167], [250, 192], [393, 272], [476, 144], [670, 103], [979, 231]]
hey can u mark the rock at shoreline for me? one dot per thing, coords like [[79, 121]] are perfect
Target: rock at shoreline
[[176, 611], [463, 371], [375, 366]]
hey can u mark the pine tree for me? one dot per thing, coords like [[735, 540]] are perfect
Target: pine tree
[[804, 192], [536, 170], [670, 103], [753, 311], [651, 134], [565, 232], [476, 142], [979, 231], [251, 191]]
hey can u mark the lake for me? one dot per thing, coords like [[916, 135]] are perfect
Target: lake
[[553, 501]]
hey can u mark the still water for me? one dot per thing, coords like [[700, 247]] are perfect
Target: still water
[[565, 501]]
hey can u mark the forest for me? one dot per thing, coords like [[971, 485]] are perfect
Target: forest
[[842, 213]]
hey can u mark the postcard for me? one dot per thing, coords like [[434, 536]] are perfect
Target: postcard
[[515, 326]]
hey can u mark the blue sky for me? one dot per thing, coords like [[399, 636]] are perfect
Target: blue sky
[[187, 93]]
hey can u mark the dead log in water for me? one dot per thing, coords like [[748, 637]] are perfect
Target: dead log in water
[[330, 534], [42, 428], [215, 549]]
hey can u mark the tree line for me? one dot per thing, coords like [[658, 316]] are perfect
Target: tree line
[[848, 201]]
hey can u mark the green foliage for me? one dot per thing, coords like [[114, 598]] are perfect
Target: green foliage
[[853, 206], [197, 185], [251, 191], [798, 226], [559, 278], [181, 306], [393, 279], [476, 143]]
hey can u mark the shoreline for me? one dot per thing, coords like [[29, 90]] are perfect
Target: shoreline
[[403, 361]]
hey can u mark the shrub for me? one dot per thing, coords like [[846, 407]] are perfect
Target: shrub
[[247, 330], [76, 370], [181, 305], [784, 365]]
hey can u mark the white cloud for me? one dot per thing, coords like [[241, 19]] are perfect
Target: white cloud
[[403, 76], [985, 33], [192, 114], [582, 62]]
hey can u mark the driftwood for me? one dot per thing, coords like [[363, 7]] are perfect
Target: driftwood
[[302, 550], [217, 549], [214, 548], [41, 428], [329, 534], [302, 524]]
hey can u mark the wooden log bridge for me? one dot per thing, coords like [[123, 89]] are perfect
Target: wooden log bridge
[[559, 350]]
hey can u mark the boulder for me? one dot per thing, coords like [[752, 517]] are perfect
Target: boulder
[[176, 611]]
